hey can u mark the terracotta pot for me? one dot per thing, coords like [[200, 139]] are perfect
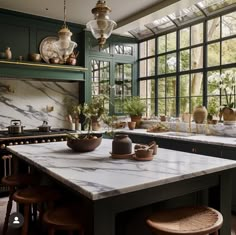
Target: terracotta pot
[[136, 119], [200, 114], [131, 125], [229, 115], [96, 125], [144, 153], [121, 144]]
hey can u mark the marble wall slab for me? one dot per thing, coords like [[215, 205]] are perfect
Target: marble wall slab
[[28, 100]]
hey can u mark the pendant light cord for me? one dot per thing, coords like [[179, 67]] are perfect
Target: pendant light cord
[[65, 14]]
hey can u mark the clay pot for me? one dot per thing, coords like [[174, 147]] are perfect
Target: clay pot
[[131, 125], [229, 115], [144, 153], [136, 119], [200, 114], [121, 144]]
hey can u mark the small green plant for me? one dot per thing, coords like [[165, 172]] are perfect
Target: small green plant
[[213, 109], [134, 106]]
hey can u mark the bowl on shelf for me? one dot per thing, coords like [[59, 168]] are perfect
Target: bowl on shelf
[[35, 57], [144, 153], [84, 143]]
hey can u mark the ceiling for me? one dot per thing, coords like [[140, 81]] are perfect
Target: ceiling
[[125, 13]]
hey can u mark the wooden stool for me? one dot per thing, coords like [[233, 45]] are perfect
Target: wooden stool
[[187, 220], [37, 195], [14, 181], [64, 218]]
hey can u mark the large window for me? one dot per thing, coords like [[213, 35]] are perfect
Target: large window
[[176, 68]]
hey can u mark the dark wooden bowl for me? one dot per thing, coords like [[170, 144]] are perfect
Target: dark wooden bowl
[[84, 145]]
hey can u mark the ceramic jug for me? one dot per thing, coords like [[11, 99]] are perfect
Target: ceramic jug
[[8, 53], [121, 144], [199, 114]]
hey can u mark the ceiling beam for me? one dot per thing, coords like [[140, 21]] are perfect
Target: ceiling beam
[[158, 6]]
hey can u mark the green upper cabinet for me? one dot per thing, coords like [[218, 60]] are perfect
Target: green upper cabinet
[[112, 69], [23, 33]]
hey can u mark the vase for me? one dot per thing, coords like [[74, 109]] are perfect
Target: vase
[[131, 125], [199, 114], [8, 53], [229, 116], [121, 144]]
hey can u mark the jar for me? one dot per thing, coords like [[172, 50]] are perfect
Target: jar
[[200, 114], [8, 53], [121, 144]]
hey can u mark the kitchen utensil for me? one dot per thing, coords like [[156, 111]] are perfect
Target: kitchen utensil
[[44, 127], [15, 127]]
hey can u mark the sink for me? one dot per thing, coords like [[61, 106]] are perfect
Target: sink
[[184, 134]]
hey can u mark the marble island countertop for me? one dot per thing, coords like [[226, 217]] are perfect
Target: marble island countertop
[[96, 175], [192, 137]]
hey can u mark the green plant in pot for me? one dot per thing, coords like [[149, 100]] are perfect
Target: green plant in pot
[[135, 107], [213, 111]]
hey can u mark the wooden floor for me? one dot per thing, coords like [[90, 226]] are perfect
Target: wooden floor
[[3, 202]]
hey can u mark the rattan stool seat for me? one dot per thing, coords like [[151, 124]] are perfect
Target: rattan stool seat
[[36, 194], [64, 218], [188, 220]]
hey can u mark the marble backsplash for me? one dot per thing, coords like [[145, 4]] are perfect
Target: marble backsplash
[[28, 100]]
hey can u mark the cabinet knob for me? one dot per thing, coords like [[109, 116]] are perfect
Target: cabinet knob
[[27, 142], [43, 141], [10, 143], [48, 140], [36, 141], [21, 142], [62, 139], [54, 140], [16, 143]]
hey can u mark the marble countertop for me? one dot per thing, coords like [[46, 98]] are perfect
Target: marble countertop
[[96, 175], [207, 139]]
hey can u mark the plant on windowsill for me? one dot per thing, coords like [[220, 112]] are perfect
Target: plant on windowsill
[[226, 85], [135, 107], [213, 111]]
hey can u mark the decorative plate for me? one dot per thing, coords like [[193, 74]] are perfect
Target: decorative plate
[[122, 156], [46, 48]]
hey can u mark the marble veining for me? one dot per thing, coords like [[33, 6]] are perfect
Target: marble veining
[[96, 175], [27, 100]]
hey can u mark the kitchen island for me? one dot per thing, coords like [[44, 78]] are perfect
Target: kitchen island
[[112, 186]]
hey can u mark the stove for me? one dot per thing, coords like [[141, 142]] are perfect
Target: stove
[[29, 136]]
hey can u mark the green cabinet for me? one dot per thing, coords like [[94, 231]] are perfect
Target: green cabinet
[[112, 70]]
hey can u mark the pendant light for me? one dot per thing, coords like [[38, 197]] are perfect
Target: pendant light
[[64, 46], [101, 27]]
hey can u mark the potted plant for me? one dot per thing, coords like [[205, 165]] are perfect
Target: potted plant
[[226, 83], [213, 111], [135, 107]]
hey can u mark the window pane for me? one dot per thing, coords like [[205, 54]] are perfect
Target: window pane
[[184, 37], [142, 68], [212, 85], [143, 89], [171, 107], [161, 44], [184, 105], [171, 63], [161, 67], [184, 60], [151, 67], [184, 85], [161, 106], [195, 101], [171, 87], [213, 54], [118, 105], [197, 34], [151, 47], [161, 87], [142, 49], [229, 51], [171, 41], [196, 84], [213, 29], [196, 58], [229, 24]]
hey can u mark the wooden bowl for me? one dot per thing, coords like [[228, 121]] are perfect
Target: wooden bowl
[[84, 145], [144, 153]]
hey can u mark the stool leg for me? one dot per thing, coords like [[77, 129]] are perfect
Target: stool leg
[[24, 230], [35, 212], [51, 231], [70, 232], [8, 212]]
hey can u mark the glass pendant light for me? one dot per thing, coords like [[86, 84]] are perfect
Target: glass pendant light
[[64, 46], [101, 27]]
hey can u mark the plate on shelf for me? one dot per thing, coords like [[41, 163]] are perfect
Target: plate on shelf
[[122, 156], [46, 48]]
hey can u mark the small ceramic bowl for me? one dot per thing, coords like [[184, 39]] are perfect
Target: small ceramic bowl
[[35, 57], [144, 153]]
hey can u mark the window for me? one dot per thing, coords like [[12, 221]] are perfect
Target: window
[[185, 60]]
